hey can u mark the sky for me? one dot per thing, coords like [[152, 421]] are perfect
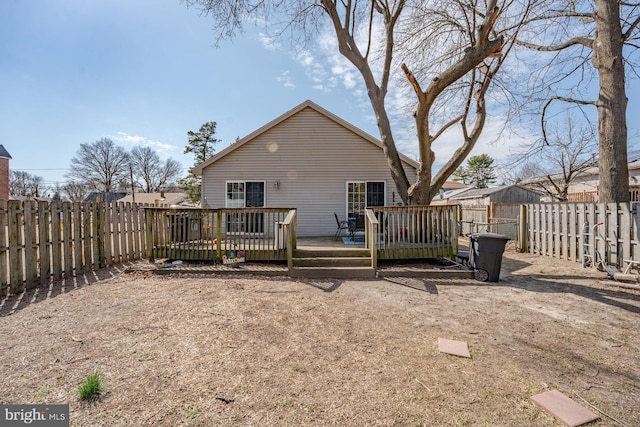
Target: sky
[[145, 72]]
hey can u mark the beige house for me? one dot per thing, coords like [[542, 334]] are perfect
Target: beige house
[[309, 159], [584, 188]]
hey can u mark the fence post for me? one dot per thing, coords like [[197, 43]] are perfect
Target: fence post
[[4, 277], [101, 233], [29, 227], [149, 232], [15, 247], [522, 241]]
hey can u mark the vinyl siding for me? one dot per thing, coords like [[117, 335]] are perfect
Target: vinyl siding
[[312, 157]]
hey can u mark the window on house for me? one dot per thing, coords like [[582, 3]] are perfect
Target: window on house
[[245, 194]]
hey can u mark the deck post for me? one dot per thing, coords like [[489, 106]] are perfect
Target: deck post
[[218, 228], [371, 236]]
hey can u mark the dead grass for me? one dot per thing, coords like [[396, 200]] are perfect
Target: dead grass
[[247, 351]]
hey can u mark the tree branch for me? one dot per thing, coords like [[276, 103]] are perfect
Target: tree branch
[[563, 99], [626, 36], [447, 126], [414, 82], [584, 41]]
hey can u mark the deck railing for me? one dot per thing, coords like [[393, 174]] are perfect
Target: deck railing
[[256, 234], [406, 232]]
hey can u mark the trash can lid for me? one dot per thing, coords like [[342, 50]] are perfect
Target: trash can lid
[[489, 236]]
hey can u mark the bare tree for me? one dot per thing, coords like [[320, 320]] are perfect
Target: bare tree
[[23, 183], [102, 165], [76, 191], [469, 45], [18, 183], [150, 173], [569, 151], [585, 38]]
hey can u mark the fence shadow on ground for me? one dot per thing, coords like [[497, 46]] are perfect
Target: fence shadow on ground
[[424, 285], [15, 303], [549, 283], [325, 285]]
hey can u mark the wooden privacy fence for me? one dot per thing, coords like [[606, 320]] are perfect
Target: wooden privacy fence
[[41, 241], [572, 231], [195, 234]]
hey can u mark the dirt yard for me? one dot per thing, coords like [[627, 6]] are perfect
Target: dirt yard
[[197, 350]]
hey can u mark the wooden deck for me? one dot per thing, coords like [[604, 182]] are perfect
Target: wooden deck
[[386, 269], [271, 235]]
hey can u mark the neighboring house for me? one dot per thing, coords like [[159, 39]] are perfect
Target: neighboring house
[[486, 196], [159, 199], [309, 159], [98, 196], [4, 173], [27, 198], [448, 190], [162, 198], [584, 188]]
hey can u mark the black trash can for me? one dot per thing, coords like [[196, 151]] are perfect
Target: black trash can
[[485, 255]]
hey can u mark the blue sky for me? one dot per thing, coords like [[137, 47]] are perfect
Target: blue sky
[[144, 72]]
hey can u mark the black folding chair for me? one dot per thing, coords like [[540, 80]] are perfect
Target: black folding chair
[[342, 225], [355, 225]]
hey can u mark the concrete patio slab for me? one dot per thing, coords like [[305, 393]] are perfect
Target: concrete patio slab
[[563, 408]]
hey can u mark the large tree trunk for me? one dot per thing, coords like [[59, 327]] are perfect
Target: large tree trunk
[[612, 104], [389, 147]]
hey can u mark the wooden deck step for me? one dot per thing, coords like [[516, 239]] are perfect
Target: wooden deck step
[[331, 253], [333, 272], [332, 262]]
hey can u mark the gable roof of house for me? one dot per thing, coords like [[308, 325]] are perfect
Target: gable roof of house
[[482, 192], [4, 153], [104, 197], [151, 198], [591, 171], [197, 170]]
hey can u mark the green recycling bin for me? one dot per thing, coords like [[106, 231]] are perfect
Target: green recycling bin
[[485, 255]]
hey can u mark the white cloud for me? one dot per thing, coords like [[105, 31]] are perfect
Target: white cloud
[[134, 140], [269, 42], [285, 79]]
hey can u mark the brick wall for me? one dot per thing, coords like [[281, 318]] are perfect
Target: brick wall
[[4, 179]]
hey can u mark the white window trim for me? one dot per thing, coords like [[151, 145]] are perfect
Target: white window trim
[[365, 182], [244, 201], [244, 181]]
